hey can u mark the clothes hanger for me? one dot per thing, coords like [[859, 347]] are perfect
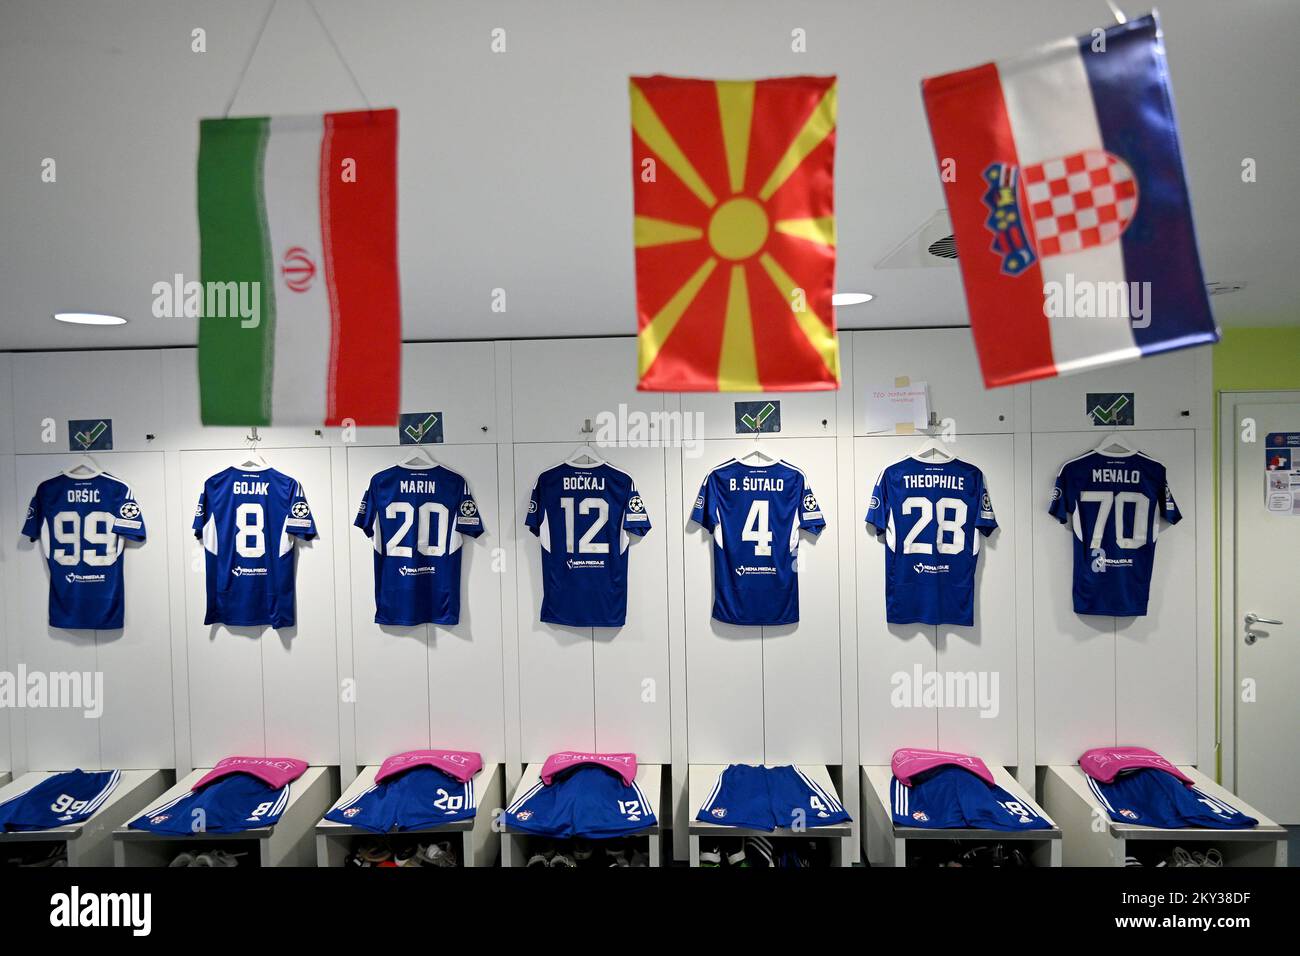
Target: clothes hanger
[[756, 454], [584, 456], [1114, 441], [419, 458], [933, 449], [253, 461], [86, 467]]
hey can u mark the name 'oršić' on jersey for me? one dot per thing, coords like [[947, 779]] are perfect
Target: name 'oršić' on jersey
[[933, 515], [583, 517], [755, 513], [82, 524], [418, 518], [247, 520]]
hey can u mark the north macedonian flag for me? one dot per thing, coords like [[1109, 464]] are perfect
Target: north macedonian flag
[[735, 233], [301, 318]]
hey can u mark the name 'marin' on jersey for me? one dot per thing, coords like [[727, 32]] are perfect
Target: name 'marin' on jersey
[[755, 513], [933, 515], [247, 520], [82, 524], [583, 517], [417, 518], [1116, 505]]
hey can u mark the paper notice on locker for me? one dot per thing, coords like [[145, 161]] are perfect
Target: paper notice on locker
[[1282, 473], [898, 405]]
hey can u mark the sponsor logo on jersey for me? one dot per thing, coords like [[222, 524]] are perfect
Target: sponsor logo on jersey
[[129, 510], [72, 577], [875, 503], [752, 569], [920, 816], [532, 507], [1128, 814], [198, 511], [577, 564], [241, 571], [699, 502], [1101, 564], [524, 815], [922, 568], [31, 512], [1056, 493], [298, 269], [351, 812], [161, 818], [719, 812], [407, 570]]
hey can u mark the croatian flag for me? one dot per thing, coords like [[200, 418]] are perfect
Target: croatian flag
[[1069, 207]]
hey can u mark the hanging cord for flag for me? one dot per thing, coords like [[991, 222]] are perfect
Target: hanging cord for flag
[[1117, 12], [257, 41]]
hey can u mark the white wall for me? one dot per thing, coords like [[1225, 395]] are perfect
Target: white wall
[[672, 685]]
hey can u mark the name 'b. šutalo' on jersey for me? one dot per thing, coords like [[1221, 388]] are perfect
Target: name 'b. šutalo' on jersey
[[755, 513], [932, 514], [1116, 505], [418, 519], [584, 517], [247, 520], [83, 524]]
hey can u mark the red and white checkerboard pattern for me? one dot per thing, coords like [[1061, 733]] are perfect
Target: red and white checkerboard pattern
[[1079, 201]]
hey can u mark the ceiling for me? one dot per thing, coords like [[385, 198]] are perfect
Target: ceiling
[[513, 166]]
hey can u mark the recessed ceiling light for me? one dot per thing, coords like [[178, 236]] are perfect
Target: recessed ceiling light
[[89, 318], [851, 298]]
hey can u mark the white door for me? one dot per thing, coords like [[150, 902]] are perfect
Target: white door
[[1267, 586]]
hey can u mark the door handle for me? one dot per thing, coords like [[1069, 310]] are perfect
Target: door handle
[[1251, 620]]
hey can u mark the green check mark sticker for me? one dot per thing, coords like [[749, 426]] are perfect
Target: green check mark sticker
[[756, 421], [1110, 412], [86, 439], [417, 431]]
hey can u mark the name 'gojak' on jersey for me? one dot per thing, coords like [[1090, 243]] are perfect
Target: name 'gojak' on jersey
[[755, 513], [247, 520], [82, 524], [583, 517], [1115, 504], [418, 518], [932, 515]]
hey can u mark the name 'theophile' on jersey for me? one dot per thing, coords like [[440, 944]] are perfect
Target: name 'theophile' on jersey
[[418, 519]]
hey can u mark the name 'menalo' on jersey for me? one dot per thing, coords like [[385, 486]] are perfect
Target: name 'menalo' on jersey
[[755, 514], [418, 519], [584, 517], [248, 519]]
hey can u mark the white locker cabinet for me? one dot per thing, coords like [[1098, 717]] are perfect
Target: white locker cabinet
[[256, 690], [1164, 387], [429, 685], [765, 694], [602, 689], [134, 728]]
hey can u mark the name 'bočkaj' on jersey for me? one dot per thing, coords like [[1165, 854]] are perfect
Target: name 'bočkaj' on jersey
[[82, 524], [755, 514], [1115, 505], [933, 515], [583, 517], [418, 519], [247, 520]]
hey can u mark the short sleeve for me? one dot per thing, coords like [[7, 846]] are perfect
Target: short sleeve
[[201, 514], [533, 520], [636, 520], [878, 507], [703, 512], [1168, 507], [1063, 502], [365, 519], [985, 520], [300, 521], [810, 512], [128, 521], [468, 521], [35, 517]]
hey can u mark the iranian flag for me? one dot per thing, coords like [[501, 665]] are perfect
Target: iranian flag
[[298, 219]]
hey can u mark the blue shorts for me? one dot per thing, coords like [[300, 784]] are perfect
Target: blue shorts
[[764, 798], [58, 801], [227, 805], [587, 801], [953, 798], [417, 799], [1153, 798]]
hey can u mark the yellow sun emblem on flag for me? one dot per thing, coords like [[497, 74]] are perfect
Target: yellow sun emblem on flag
[[735, 233]]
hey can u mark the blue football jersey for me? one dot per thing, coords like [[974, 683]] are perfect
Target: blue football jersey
[[247, 520], [1116, 505], [583, 517], [1151, 797], [417, 518], [933, 515], [755, 513], [59, 800], [954, 798], [82, 524]]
